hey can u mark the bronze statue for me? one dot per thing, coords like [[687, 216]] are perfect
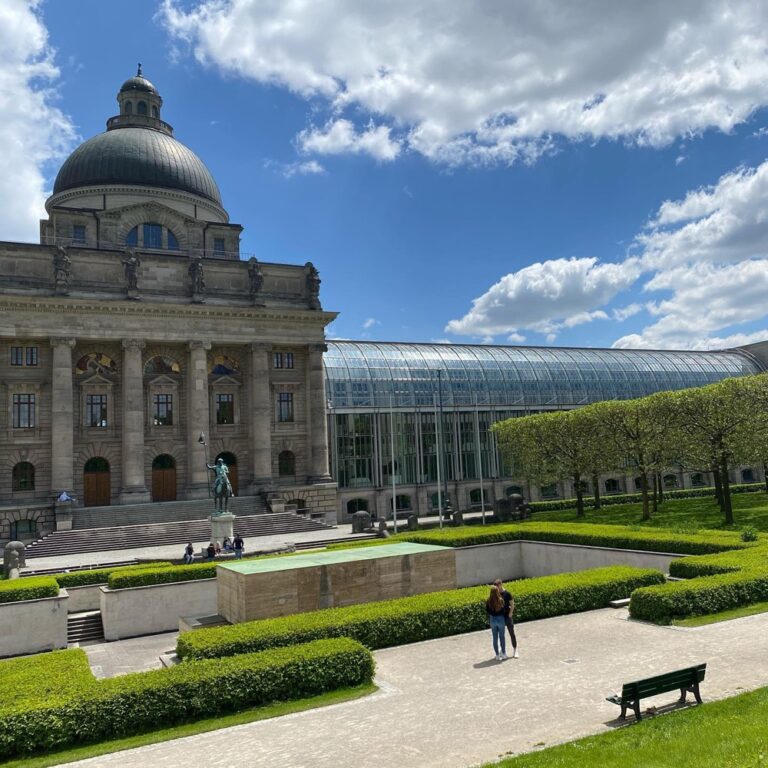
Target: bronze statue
[[131, 264], [62, 270], [222, 488], [255, 277], [197, 276], [313, 285]]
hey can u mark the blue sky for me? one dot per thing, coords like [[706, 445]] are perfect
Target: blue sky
[[515, 175]]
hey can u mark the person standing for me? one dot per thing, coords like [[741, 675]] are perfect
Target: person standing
[[210, 552], [239, 546], [495, 609], [509, 614]]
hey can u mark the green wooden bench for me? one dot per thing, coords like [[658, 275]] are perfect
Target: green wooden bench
[[684, 680]]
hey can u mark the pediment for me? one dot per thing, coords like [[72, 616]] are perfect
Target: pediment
[[95, 380], [163, 381], [225, 382]]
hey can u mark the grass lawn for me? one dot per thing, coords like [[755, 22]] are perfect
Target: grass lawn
[[683, 514], [727, 734], [190, 729], [713, 618]]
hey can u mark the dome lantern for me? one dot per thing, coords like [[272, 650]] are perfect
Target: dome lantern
[[139, 101]]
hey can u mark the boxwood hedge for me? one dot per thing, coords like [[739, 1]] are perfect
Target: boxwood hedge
[[143, 701], [421, 617], [125, 578], [30, 588], [101, 575]]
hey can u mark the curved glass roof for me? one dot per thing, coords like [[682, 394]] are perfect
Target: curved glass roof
[[367, 374]]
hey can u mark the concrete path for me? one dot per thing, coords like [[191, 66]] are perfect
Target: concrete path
[[447, 704]]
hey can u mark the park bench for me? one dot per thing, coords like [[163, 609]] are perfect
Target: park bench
[[684, 680]]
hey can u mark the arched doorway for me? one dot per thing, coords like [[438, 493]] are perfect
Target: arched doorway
[[97, 483], [231, 461], [164, 478]]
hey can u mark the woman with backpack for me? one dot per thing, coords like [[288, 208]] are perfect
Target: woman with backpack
[[496, 610]]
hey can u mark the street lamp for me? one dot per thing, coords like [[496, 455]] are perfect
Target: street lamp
[[201, 440]]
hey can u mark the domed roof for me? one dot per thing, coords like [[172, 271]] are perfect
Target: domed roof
[[135, 155], [138, 83]]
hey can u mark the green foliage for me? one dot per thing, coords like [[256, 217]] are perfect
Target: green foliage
[[101, 575], [134, 703], [420, 617], [28, 588], [129, 577], [43, 678], [749, 533]]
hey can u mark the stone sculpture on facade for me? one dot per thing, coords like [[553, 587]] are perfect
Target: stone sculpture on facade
[[255, 279], [313, 285], [62, 270], [131, 264], [197, 277]]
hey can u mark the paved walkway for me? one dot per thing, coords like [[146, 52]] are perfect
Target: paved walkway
[[446, 704]]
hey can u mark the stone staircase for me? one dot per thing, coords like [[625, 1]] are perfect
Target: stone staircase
[[165, 512], [156, 534], [84, 627]]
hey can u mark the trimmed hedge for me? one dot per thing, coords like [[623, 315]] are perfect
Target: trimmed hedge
[[635, 498], [143, 701], [125, 578], [421, 617], [30, 588], [101, 575]]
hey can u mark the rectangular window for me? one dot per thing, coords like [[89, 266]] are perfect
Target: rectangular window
[[23, 411], [31, 356], [225, 409], [17, 355], [277, 359], [162, 410], [285, 406], [289, 359], [219, 246], [78, 234], [95, 410], [153, 236]]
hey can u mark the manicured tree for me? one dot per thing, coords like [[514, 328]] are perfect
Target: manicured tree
[[723, 424]]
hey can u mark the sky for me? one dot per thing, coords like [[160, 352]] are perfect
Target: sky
[[504, 171]]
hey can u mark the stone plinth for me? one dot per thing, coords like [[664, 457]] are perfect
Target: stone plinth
[[258, 589], [221, 527]]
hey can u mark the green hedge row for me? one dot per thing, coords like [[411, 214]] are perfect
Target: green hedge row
[[635, 498], [101, 575], [125, 578], [593, 535], [421, 617], [30, 588], [143, 701]]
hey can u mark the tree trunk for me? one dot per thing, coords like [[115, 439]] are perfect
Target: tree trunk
[[655, 497], [726, 491], [646, 509], [579, 495], [660, 483], [765, 474], [718, 487], [596, 486]]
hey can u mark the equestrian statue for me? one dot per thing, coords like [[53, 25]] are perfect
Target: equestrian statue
[[222, 488]]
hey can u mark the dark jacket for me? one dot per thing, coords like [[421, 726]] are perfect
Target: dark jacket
[[238, 543]]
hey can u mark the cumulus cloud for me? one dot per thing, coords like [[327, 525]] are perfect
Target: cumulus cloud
[[547, 296], [622, 313], [340, 136], [495, 82], [309, 167], [33, 131]]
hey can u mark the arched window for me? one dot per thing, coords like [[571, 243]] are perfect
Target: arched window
[[748, 475], [24, 476], [96, 464], [513, 489], [670, 482], [697, 480], [154, 111], [23, 529], [173, 243], [132, 238], [96, 362], [128, 108], [286, 464], [357, 505], [402, 502], [164, 461], [161, 365], [549, 491], [150, 235], [141, 108], [612, 485]]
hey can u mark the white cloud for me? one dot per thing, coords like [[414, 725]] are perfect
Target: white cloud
[[622, 313], [307, 168], [547, 296], [370, 322], [515, 338], [33, 131], [340, 136], [489, 83]]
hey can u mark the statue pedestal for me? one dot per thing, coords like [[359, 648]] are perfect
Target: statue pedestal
[[221, 527]]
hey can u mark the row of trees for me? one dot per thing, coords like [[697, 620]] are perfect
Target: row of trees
[[705, 429]]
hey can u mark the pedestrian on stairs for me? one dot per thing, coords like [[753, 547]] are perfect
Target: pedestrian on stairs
[[189, 553], [239, 546]]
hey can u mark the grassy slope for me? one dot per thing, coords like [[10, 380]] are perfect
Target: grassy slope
[[727, 734]]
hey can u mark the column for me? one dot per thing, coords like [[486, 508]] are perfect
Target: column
[[261, 417], [134, 489], [62, 417], [317, 422], [198, 419]]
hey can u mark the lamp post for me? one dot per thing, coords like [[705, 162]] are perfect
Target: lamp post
[[202, 442]]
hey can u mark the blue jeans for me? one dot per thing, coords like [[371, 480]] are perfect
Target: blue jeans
[[238, 554], [498, 625]]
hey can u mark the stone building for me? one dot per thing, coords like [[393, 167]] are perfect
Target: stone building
[[136, 325]]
